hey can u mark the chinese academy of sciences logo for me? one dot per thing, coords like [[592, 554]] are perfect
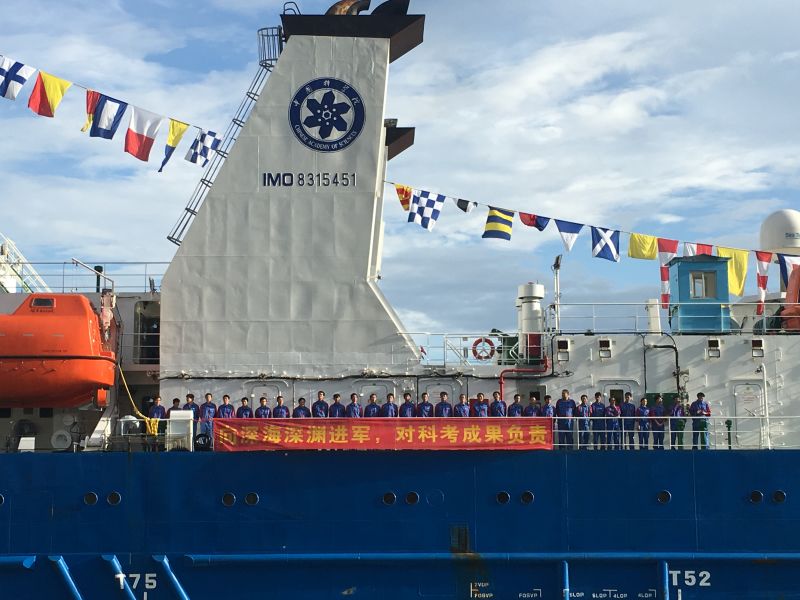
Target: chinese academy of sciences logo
[[326, 114]]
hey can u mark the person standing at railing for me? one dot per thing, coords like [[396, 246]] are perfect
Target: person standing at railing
[[425, 408], [407, 408], [583, 411], [443, 408], [515, 408], [628, 412], [245, 412], [547, 408], [531, 410], [701, 411], [597, 413], [565, 408], [643, 414], [225, 410], [612, 424], [481, 407], [319, 410], [462, 408], [498, 407], [263, 411], [157, 411], [300, 411], [192, 406], [658, 413], [281, 411], [676, 425], [208, 410], [373, 409], [176, 405], [353, 410], [336, 410], [389, 408]]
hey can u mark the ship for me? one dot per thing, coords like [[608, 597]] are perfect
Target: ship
[[274, 291]]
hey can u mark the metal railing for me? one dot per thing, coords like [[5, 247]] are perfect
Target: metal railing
[[65, 277]]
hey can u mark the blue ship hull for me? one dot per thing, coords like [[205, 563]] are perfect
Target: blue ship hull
[[323, 525]]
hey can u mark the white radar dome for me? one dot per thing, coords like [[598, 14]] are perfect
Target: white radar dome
[[780, 232]]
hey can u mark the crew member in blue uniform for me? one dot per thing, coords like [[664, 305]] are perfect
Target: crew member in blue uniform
[[389, 408], [547, 407], [157, 411], [372, 409], [515, 408], [481, 406], [443, 408], [612, 424], [263, 411], [643, 414], [582, 412], [301, 411], [245, 412], [281, 411], [565, 407], [407, 408], [425, 408], [319, 410], [700, 410], [225, 410], [353, 410], [462, 408], [498, 407], [192, 406], [657, 415], [531, 410], [176, 405], [208, 410], [336, 410], [676, 425], [597, 412], [628, 412]]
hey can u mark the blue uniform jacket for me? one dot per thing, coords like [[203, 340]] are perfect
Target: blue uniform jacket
[[319, 409], [301, 412], [643, 412], [658, 413], [194, 407], [530, 411], [408, 409], [515, 410], [481, 409], [389, 409], [497, 408], [565, 410], [208, 410], [425, 409], [225, 411], [628, 409], [582, 412], [372, 410], [442, 409], [612, 424], [352, 410], [244, 412], [461, 410], [157, 412], [263, 412], [280, 412], [598, 409], [336, 410], [547, 410]]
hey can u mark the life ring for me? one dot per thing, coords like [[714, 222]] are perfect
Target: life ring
[[483, 348]]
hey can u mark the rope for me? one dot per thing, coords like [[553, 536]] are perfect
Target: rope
[[151, 424]]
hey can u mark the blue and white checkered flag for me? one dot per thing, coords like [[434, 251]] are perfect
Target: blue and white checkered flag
[[204, 143], [425, 208]]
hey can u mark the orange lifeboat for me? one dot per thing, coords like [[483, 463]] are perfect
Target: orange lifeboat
[[52, 354]]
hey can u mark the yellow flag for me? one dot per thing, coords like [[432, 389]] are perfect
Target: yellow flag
[[643, 246], [737, 268], [47, 94]]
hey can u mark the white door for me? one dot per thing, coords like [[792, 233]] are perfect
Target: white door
[[749, 427]]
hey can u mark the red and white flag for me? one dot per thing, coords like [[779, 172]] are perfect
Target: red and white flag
[[692, 249], [142, 133], [762, 261], [667, 250]]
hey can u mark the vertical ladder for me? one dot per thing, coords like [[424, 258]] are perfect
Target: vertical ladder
[[270, 45], [15, 269]]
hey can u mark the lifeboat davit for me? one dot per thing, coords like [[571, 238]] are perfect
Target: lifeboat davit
[[53, 353]]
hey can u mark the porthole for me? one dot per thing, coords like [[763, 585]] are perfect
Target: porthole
[[114, 498], [90, 498], [778, 497], [756, 496], [526, 497], [412, 498], [664, 496], [389, 498], [503, 497], [228, 499], [251, 499]]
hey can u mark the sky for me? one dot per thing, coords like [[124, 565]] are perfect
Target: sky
[[674, 119]]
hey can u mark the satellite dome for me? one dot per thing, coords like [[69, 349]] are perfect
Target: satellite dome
[[780, 232]]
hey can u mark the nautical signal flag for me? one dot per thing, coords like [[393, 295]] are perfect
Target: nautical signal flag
[[569, 232], [667, 250], [425, 208], [605, 243], [201, 148], [465, 205], [176, 131], [47, 94], [762, 273], [692, 249], [537, 221], [91, 103], [737, 268], [788, 264], [404, 195], [643, 246], [142, 133], [107, 116], [13, 76], [498, 223]]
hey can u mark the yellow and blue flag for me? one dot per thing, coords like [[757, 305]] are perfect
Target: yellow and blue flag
[[176, 131], [498, 223]]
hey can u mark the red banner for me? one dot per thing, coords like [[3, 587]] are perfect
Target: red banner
[[240, 435]]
